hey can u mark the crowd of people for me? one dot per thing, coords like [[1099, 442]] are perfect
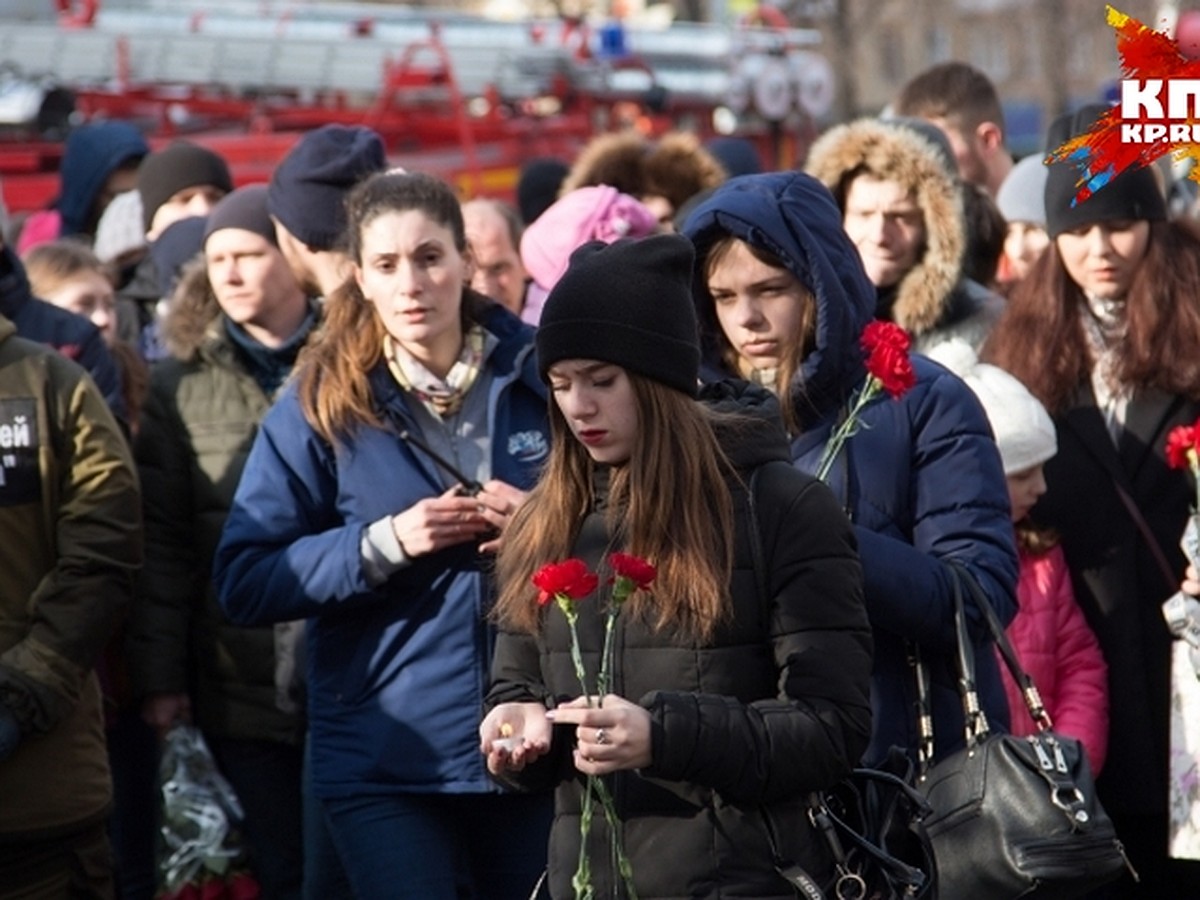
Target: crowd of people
[[288, 462]]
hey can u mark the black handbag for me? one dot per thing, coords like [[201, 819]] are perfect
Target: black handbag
[[1011, 816]]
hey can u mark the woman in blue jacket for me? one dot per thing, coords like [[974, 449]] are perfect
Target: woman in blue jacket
[[369, 505], [783, 299]]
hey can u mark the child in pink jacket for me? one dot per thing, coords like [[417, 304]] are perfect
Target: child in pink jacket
[[1053, 640]]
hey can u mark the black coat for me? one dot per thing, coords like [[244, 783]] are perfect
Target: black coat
[[1116, 579], [774, 706]]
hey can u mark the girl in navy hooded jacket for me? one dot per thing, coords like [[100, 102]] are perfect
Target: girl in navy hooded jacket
[[783, 299], [345, 516]]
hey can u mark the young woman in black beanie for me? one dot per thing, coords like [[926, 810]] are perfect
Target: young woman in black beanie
[[1105, 332], [739, 679]]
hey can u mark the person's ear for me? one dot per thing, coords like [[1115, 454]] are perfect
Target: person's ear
[[990, 136], [468, 265]]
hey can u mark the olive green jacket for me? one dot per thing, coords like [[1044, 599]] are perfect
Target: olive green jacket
[[196, 431], [70, 545]]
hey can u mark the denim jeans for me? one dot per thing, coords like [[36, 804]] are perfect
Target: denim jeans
[[442, 846], [266, 775], [324, 876]]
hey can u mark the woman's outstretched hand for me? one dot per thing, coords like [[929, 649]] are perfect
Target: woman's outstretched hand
[[513, 735]]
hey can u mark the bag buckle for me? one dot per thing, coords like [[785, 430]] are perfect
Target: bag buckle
[[849, 886]]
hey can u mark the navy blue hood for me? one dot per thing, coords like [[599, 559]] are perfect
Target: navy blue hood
[[794, 217], [92, 153]]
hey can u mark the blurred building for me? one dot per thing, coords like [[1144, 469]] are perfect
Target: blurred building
[[1045, 56]]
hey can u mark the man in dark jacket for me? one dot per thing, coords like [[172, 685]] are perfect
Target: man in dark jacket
[[235, 329], [70, 542]]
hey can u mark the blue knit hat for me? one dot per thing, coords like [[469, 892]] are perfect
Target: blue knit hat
[[308, 189]]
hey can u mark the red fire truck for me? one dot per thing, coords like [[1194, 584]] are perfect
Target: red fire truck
[[463, 97]]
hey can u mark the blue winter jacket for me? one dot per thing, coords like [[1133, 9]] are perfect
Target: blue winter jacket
[[397, 673], [922, 479]]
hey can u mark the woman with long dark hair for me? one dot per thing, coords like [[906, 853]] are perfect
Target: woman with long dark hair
[[1105, 332], [368, 505]]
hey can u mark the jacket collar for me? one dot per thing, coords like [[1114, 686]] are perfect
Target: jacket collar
[[14, 285]]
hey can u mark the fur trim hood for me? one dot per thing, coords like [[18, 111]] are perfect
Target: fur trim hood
[[193, 314], [898, 153], [676, 166]]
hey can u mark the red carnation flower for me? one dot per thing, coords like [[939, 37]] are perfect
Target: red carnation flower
[[1180, 440], [886, 345], [570, 578], [636, 569]]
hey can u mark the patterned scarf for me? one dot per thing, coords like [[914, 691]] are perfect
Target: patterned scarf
[[442, 396], [767, 377], [1104, 326]]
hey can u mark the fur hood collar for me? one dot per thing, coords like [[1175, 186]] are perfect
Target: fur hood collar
[[898, 153], [193, 316]]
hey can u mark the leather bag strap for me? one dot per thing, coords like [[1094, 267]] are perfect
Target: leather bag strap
[[1143, 528], [1029, 691]]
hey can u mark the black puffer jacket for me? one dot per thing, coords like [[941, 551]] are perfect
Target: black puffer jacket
[[775, 706]]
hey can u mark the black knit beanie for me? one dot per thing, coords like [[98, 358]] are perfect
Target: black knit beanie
[[245, 208], [182, 165], [628, 303], [1132, 195], [308, 189]]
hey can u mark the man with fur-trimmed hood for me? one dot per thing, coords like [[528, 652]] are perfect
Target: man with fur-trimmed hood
[[902, 208]]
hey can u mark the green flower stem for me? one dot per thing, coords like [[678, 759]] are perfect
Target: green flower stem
[[848, 427], [610, 814], [582, 882], [564, 603], [606, 653], [594, 786]]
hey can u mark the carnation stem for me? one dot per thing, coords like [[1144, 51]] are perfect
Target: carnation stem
[[576, 653], [610, 815], [582, 882], [847, 428], [606, 653]]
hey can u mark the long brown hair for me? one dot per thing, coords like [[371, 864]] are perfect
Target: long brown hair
[[1040, 337], [795, 352], [332, 372], [669, 504]]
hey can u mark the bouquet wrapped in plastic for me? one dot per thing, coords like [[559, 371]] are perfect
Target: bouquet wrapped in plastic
[[200, 850]]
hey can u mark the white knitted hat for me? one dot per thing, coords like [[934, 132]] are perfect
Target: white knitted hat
[[1024, 431], [120, 228]]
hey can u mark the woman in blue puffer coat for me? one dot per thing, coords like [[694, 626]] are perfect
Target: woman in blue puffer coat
[[348, 514], [783, 300]]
